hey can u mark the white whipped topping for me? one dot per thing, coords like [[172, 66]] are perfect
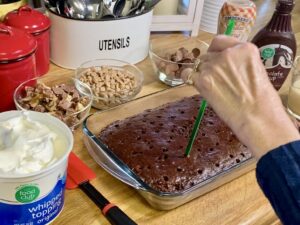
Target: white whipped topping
[[26, 146]]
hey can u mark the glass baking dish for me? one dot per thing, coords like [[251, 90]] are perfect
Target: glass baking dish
[[113, 165]]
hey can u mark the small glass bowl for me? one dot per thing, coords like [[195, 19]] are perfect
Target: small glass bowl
[[170, 71], [109, 97], [73, 118]]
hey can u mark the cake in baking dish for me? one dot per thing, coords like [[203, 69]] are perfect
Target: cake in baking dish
[[153, 144]]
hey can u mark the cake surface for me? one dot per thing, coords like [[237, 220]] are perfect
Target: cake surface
[[153, 144]]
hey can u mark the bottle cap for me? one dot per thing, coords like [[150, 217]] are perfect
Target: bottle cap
[[285, 6]]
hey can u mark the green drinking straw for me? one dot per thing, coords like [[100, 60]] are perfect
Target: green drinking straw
[[202, 108]]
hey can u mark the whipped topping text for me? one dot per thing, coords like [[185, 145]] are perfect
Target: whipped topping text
[[26, 146]]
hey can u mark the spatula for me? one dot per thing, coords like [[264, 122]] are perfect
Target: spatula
[[79, 175]]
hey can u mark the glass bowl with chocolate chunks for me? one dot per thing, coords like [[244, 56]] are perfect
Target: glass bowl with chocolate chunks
[[174, 59], [64, 98]]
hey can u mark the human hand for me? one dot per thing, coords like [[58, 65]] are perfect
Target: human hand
[[233, 80]]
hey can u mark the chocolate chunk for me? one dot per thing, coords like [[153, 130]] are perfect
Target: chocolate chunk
[[58, 90], [196, 52], [64, 104]]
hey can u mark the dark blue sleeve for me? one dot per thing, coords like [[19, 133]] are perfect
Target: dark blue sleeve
[[278, 174]]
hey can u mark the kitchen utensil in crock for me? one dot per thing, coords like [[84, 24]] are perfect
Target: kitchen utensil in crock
[[122, 7], [77, 8], [79, 175], [146, 6], [17, 62], [38, 25], [108, 8], [94, 9]]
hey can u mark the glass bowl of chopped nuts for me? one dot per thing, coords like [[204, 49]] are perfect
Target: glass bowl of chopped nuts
[[175, 58], [64, 98], [113, 82]]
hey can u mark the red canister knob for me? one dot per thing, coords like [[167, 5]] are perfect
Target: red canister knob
[[37, 24], [17, 62]]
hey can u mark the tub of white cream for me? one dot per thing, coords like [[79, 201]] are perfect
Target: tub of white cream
[[34, 150]]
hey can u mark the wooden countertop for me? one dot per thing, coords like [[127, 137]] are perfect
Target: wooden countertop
[[237, 202]]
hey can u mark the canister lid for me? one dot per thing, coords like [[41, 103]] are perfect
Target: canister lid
[[15, 43], [28, 19]]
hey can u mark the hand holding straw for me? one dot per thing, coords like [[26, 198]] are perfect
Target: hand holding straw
[[202, 108]]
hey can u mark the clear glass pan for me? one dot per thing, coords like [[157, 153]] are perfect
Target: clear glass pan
[[107, 159]]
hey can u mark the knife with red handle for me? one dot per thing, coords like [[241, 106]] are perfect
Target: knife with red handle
[[79, 175]]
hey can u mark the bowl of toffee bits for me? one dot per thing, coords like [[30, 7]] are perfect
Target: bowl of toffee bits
[[112, 82], [176, 58], [63, 99]]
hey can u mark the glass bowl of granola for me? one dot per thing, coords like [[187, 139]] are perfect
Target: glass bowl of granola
[[66, 99], [113, 82]]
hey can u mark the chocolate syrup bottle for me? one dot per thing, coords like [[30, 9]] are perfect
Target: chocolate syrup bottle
[[277, 43]]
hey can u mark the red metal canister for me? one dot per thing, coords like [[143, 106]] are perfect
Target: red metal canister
[[17, 62], [37, 24]]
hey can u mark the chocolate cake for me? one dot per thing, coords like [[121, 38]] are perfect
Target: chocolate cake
[[153, 144]]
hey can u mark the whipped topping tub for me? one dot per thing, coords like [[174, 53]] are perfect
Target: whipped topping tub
[[34, 149]]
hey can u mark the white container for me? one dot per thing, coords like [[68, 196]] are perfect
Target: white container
[[210, 15], [76, 41], [166, 7], [36, 198]]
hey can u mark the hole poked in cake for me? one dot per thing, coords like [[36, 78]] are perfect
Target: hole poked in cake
[[179, 169], [135, 153], [166, 178], [138, 138], [165, 149]]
